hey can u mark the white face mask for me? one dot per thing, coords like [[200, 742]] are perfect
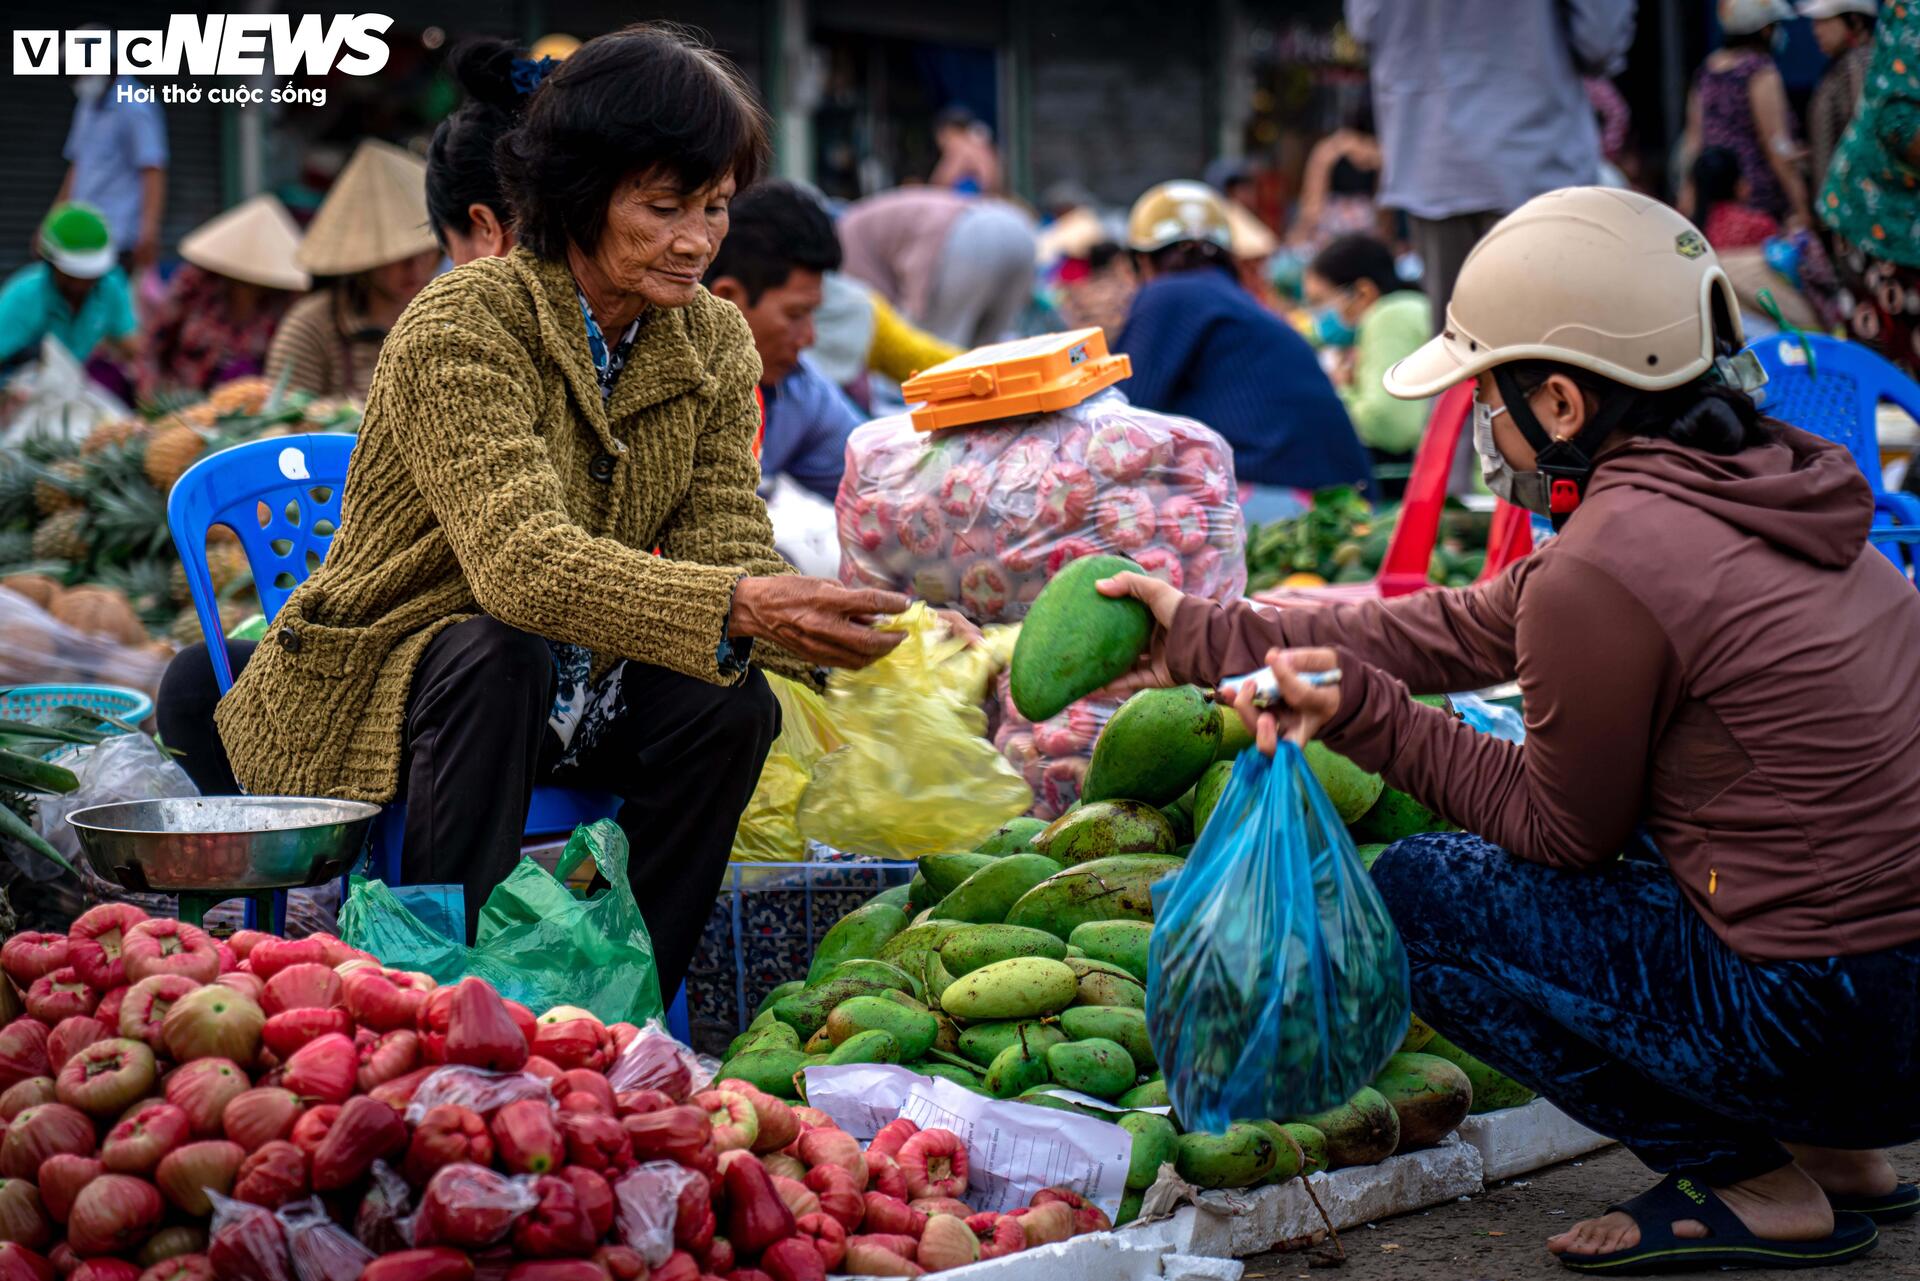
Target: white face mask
[[90, 89], [1524, 489]]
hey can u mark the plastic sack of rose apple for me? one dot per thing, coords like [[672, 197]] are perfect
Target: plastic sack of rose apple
[[383, 1208], [321, 1249], [468, 1207], [653, 1060], [980, 517], [1052, 755], [246, 1243], [481, 1090], [646, 1207]]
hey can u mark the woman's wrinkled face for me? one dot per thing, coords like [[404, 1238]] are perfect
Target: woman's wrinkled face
[[659, 239]]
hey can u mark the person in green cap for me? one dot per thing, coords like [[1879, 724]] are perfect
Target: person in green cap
[[77, 293]]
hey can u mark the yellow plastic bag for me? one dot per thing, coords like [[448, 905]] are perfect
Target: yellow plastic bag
[[767, 831], [914, 774]]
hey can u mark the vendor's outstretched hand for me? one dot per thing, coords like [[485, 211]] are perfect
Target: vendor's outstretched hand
[[1161, 600], [1304, 708], [815, 618]]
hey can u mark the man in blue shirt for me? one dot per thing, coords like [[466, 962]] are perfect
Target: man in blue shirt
[[117, 162], [78, 293], [780, 244], [1203, 347]]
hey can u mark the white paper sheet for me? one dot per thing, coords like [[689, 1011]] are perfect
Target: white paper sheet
[[1013, 1149]]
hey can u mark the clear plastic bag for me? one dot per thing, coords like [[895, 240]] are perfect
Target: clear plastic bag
[[321, 1249], [37, 648], [1277, 984], [384, 1207], [644, 1207], [916, 774], [126, 767], [767, 831], [1052, 756], [246, 1243], [469, 1207], [653, 1060], [980, 518], [476, 1089]]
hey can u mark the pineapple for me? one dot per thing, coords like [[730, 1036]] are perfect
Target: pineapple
[[186, 628], [16, 491], [242, 397], [147, 586], [228, 567], [59, 487], [65, 535], [170, 452], [99, 611], [112, 434], [129, 518], [200, 415], [179, 590]]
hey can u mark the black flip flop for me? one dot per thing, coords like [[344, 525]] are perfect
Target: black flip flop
[[1728, 1243], [1901, 1203]]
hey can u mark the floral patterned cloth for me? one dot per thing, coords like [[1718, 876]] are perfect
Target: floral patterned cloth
[[1725, 95], [194, 342], [1872, 197]]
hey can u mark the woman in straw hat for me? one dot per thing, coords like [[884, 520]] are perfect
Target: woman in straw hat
[[220, 310], [1683, 909], [372, 248], [551, 563]]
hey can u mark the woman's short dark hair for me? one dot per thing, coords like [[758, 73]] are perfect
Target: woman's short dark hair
[[774, 230], [645, 99], [1189, 255], [1350, 259], [460, 159], [1705, 414]]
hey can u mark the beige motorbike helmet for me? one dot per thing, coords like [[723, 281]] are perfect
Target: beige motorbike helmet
[[1175, 212], [1609, 281]]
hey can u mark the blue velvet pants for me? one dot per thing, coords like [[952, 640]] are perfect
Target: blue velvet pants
[[1609, 995]]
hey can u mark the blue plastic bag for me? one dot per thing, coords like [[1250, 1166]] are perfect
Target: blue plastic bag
[[1277, 984]]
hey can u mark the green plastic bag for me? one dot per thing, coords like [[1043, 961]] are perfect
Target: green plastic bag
[[538, 944]]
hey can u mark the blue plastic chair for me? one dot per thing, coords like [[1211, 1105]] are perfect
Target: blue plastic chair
[[281, 496], [1833, 389]]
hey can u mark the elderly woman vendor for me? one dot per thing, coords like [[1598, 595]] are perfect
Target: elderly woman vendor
[[551, 564]]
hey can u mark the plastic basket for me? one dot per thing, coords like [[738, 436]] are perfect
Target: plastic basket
[[765, 924], [24, 702]]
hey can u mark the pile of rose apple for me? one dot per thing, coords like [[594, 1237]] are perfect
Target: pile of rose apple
[[329, 1115]]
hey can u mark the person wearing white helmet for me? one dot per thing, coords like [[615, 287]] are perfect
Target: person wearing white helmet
[[1717, 676], [1205, 348], [1844, 31]]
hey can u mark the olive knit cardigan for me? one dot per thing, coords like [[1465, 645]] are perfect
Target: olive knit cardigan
[[489, 478]]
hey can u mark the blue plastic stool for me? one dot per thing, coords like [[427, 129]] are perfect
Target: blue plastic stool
[[281, 496], [1835, 395]]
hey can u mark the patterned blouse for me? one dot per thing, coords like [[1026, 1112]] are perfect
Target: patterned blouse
[[1872, 196]]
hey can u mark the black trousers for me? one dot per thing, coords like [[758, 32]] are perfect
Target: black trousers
[[682, 754]]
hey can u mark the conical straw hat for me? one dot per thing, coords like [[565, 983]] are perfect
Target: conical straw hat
[[375, 214], [1251, 237], [255, 241]]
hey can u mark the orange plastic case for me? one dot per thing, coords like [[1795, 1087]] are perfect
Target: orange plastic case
[[1006, 380]]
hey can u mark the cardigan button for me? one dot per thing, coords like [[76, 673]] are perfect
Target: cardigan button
[[289, 640], [601, 468]]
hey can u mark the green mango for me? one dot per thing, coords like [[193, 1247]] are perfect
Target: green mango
[[1099, 989], [1240, 1158], [860, 933], [1015, 836], [1148, 1094], [1312, 1144], [1017, 1069], [948, 1072], [1153, 1140], [972, 946], [906, 999], [1395, 816], [806, 1010], [945, 872], [1016, 989], [983, 1042], [1491, 1090], [1368, 853], [1206, 793], [1127, 1027], [1097, 1066], [1073, 951], [937, 979], [1351, 789], [1430, 1095], [767, 1002], [1289, 1158], [821, 1042], [771, 1036], [909, 948], [986, 896], [920, 895], [1419, 1035], [1154, 748], [1235, 737], [769, 1071], [1129, 1208], [1121, 943], [1102, 829], [1106, 889], [1040, 1097], [913, 1031], [866, 1047], [899, 895], [1364, 1130], [1074, 640], [884, 973], [1179, 816]]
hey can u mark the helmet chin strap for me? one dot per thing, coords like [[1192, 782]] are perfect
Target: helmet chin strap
[[1567, 464]]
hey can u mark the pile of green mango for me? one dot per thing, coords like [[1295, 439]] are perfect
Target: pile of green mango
[[1020, 967]]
